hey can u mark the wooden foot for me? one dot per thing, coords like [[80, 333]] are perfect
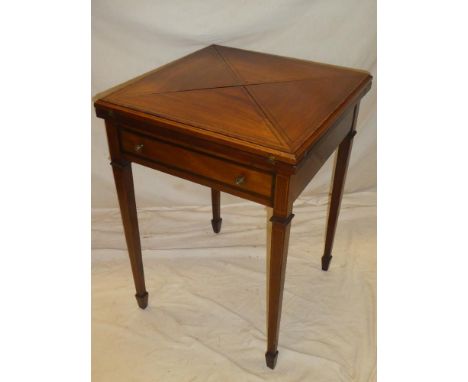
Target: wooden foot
[[216, 207], [216, 224], [123, 178], [279, 225], [142, 300], [271, 359], [339, 177], [326, 262]]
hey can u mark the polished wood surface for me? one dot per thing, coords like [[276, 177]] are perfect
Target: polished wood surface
[[279, 242], [230, 173], [122, 170], [339, 177], [254, 125], [276, 105]]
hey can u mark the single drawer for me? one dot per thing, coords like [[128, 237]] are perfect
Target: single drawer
[[217, 169]]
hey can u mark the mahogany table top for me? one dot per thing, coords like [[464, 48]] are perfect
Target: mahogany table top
[[261, 103]]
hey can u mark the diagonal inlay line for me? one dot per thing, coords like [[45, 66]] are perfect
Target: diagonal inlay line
[[279, 134], [229, 66], [282, 138], [222, 87]]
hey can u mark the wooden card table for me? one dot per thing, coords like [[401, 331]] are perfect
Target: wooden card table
[[250, 124]]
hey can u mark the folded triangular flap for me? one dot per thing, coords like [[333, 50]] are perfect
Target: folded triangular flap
[[258, 68], [298, 108], [202, 69], [228, 111]]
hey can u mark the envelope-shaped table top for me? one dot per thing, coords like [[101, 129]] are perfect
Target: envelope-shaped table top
[[266, 103]]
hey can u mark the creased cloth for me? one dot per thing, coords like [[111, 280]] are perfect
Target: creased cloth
[[206, 319]]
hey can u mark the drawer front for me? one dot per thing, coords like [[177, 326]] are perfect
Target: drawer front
[[229, 173]]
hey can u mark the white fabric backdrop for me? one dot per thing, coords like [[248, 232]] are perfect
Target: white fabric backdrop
[[206, 315], [133, 37]]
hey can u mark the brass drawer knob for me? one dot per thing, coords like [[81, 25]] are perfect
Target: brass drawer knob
[[138, 148], [240, 180]]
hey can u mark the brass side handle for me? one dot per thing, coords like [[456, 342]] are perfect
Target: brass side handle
[[240, 180], [138, 148]]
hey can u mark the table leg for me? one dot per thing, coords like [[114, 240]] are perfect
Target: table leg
[[216, 207], [123, 178], [125, 191], [339, 177], [279, 226]]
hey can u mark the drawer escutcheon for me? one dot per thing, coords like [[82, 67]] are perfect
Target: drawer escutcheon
[[139, 147], [240, 180]]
